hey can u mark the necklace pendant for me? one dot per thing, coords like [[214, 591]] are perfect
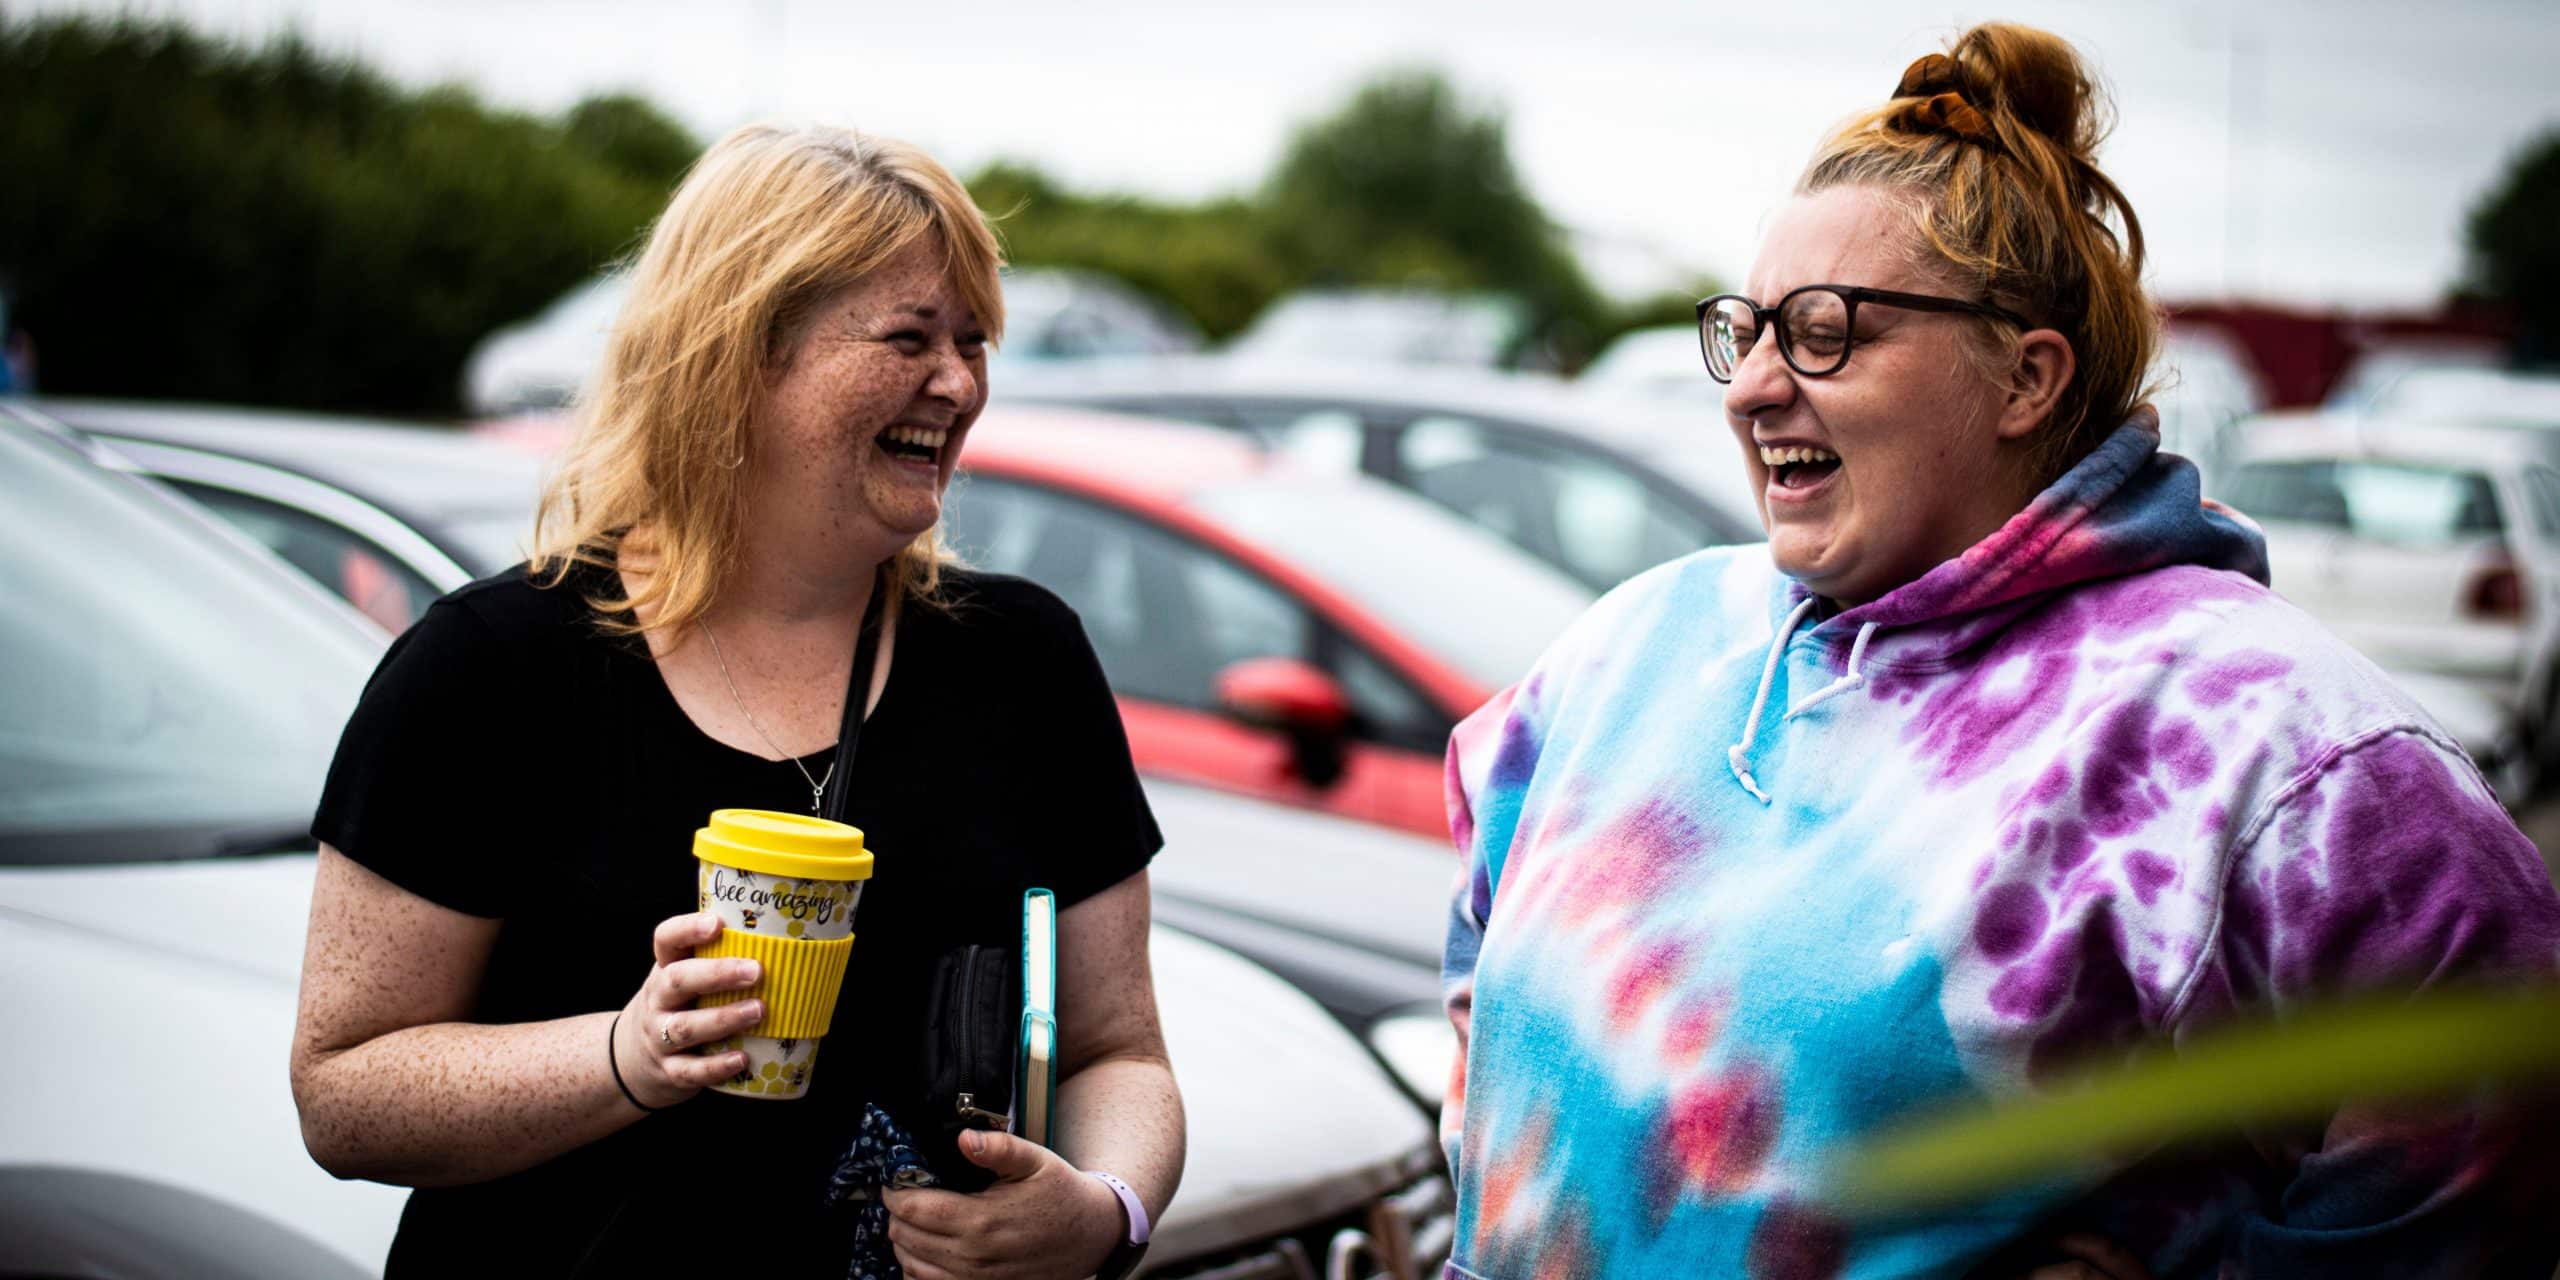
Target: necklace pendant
[[817, 798]]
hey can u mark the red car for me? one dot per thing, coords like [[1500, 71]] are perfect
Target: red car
[[1301, 636]]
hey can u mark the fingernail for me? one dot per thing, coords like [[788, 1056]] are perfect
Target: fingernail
[[746, 971], [972, 1142]]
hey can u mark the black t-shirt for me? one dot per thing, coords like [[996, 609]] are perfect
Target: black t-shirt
[[511, 760]]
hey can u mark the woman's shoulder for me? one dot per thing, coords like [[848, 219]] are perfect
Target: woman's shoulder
[[1001, 608], [506, 621]]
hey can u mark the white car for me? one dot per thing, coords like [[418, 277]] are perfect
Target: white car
[[2488, 397], [171, 703], [2430, 547]]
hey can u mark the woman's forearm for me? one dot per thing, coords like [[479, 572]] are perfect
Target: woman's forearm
[[1122, 1115], [453, 1103]]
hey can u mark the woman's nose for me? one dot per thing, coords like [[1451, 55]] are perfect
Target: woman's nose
[[1762, 384], [954, 379]]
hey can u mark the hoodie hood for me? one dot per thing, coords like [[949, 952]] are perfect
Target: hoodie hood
[[2126, 508]]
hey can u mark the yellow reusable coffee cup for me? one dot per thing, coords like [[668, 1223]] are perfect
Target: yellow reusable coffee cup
[[784, 886]]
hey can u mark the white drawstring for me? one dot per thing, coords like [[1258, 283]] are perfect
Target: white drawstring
[[1849, 680], [1739, 754]]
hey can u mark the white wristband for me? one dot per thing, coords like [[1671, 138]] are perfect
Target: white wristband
[[1128, 1204]]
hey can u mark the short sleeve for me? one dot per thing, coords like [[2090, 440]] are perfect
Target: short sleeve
[[1092, 783], [433, 745]]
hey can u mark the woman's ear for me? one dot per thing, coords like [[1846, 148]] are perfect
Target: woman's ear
[[2045, 365]]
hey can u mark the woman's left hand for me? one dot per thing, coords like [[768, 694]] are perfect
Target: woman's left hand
[[1042, 1220]]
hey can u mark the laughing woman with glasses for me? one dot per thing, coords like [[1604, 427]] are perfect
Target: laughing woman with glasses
[[1999, 758]]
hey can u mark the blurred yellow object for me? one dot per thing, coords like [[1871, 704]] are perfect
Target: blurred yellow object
[[2301, 1068]]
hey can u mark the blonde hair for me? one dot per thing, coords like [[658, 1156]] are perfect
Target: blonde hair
[[769, 224], [1996, 142]]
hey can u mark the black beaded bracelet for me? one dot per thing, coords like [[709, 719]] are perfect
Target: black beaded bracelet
[[614, 1060]]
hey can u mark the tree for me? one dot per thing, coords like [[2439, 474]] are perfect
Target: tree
[[188, 218], [1407, 185], [2515, 247]]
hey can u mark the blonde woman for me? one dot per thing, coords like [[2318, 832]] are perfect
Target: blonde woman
[[496, 998]]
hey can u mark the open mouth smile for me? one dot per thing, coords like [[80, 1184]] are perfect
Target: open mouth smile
[[1796, 473], [919, 447]]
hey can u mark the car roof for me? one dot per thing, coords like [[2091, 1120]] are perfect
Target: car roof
[[1492, 393], [2471, 394], [2312, 434], [1179, 458], [433, 472]]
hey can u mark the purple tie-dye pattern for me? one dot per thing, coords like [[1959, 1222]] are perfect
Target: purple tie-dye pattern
[[2101, 789]]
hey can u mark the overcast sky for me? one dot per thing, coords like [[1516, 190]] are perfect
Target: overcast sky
[[2320, 151]]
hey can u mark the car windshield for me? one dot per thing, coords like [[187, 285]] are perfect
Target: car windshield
[[1436, 580], [169, 693]]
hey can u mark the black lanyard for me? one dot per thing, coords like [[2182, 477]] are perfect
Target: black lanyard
[[866, 652]]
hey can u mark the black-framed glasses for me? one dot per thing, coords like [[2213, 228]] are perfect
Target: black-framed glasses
[[1815, 325]]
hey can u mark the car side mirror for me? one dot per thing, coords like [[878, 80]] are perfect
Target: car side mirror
[[1297, 699]]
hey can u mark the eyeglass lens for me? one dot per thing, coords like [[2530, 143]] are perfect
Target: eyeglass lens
[[1813, 330]]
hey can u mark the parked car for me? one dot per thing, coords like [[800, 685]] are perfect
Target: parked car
[[1599, 488], [2379, 366], [1662, 362], [1061, 314], [172, 701], [1302, 635], [1373, 964], [388, 515], [2486, 397], [1389, 327], [2431, 547]]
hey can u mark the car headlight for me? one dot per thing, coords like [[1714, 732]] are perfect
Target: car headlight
[[1420, 1047]]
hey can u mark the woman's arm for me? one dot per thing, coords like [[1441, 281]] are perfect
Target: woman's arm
[[1117, 1112], [1118, 1109], [393, 1087], [2389, 867]]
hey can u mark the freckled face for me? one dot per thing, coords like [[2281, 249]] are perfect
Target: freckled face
[[1921, 474], [866, 415]]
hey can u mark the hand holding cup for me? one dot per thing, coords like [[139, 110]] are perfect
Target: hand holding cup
[[660, 1027]]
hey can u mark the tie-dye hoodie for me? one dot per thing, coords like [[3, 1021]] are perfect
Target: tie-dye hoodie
[[1743, 880]]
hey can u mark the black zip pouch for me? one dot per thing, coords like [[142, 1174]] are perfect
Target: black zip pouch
[[973, 1016]]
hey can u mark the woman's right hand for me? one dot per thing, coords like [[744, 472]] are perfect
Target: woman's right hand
[[654, 1041]]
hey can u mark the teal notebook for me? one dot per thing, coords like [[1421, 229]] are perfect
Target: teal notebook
[[1035, 1062]]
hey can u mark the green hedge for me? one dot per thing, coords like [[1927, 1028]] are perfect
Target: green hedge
[[193, 219]]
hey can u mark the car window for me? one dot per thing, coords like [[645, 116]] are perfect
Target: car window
[[1321, 439], [170, 693], [2409, 504], [358, 572], [1388, 708], [1165, 616], [1580, 512], [1454, 590]]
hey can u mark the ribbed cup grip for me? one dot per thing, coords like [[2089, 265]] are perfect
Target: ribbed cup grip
[[799, 983]]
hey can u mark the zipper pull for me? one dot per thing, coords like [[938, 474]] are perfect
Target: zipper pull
[[967, 1105]]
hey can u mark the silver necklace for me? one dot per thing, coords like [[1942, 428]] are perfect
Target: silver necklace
[[817, 785]]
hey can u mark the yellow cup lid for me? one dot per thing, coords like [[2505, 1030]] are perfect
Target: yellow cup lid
[[783, 844]]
